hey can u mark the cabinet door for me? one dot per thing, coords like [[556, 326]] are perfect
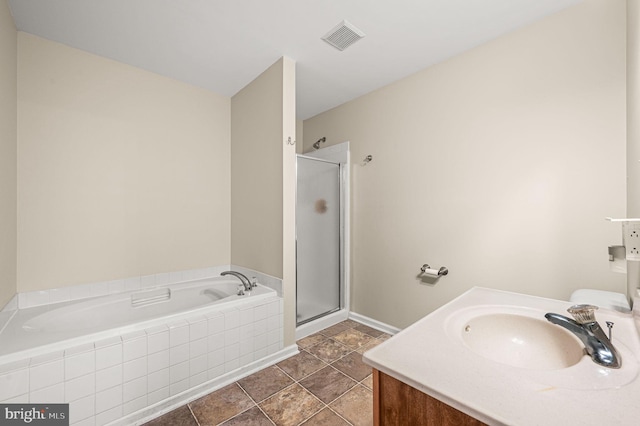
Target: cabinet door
[[398, 404]]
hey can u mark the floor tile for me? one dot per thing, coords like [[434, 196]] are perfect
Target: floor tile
[[353, 338], [179, 417], [251, 417], [368, 382], [326, 417], [335, 329], [295, 391], [291, 406], [329, 350], [301, 365], [328, 384], [372, 344], [353, 366], [265, 383], [356, 406], [368, 330], [311, 340], [221, 405]]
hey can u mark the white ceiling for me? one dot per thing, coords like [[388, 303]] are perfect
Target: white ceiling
[[222, 45]]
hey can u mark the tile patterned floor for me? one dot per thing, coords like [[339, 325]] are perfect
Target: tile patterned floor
[[325, 384]]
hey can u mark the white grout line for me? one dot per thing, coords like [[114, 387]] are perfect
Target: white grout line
[[255, 404], [192, 414]]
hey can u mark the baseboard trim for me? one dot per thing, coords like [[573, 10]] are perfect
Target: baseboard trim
[[373, 323]]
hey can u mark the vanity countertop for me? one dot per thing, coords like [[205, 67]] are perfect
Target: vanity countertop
[[428, 356]]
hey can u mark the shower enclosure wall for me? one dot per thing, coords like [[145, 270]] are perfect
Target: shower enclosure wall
[[321, 203]]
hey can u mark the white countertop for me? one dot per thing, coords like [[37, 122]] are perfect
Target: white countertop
[[429, 357]]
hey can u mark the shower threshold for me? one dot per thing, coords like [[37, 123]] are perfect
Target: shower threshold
[[320, 322]]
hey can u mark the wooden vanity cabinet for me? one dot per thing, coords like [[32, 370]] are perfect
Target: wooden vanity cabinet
[[396, 403]]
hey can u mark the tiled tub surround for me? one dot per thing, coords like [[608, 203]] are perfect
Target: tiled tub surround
[[127, 374]]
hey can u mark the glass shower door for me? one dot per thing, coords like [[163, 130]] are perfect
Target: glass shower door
[[317, 238]]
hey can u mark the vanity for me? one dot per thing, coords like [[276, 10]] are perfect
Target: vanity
[[491, 357], [396, 403]]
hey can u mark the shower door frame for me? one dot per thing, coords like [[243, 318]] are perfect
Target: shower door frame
[[338, 155]]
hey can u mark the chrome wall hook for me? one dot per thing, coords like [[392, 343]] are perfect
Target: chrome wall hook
[[367, 160]]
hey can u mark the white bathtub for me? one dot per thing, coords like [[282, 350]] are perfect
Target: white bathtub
[[64, 324], [113, 356]]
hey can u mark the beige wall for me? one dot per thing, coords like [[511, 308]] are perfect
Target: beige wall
[[289, 126], [500, 164], [256, 173], [633, 108], [121, 172], [8, 147], [263, 179]]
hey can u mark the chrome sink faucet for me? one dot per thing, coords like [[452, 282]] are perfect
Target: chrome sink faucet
[[241, 277], [587, 329]]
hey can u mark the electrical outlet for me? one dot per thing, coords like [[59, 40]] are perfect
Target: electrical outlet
[[631, 236]]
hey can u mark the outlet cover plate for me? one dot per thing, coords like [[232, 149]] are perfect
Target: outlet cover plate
[[631, 237]]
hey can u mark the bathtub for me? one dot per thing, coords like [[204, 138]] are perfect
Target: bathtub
[[112, 356]]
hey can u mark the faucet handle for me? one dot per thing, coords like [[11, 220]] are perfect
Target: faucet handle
[[583, 314], [609, 326]]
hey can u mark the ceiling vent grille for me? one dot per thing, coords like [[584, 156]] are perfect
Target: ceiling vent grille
[[343, 35]]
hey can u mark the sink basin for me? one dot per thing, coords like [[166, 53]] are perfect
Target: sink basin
[[521, 341], [517, 336]]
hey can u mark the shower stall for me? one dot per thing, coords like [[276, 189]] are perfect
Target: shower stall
[[321, 237]]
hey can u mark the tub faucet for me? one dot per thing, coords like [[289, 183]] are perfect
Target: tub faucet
[[241, 277], [587, 329]]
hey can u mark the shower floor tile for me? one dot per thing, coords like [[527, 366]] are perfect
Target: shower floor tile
[[325, 384]]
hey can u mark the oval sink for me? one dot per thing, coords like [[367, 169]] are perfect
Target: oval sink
[[521, 341]]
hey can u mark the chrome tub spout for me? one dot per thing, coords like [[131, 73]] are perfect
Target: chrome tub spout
[[245, 281]]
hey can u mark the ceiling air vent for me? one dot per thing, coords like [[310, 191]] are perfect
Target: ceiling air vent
[[343, 35]]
